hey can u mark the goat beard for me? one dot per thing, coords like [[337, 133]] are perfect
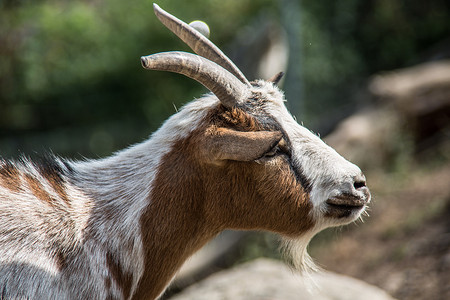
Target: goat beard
[[296, 255]]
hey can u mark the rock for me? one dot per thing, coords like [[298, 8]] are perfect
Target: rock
[[406, 82], [421, 95], [413, 115], [208, 259], [265, 279], [373, 130]]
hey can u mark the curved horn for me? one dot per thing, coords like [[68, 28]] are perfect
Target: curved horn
[[222, 83], [198, 42]]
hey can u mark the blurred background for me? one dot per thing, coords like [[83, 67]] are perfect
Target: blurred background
[[372, 77]]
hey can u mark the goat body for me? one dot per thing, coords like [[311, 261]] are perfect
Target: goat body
[[120, 227]]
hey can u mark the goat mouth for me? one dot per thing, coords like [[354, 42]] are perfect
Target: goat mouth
[[340, 207]]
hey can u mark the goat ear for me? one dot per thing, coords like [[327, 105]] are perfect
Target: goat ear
[[227, 144]]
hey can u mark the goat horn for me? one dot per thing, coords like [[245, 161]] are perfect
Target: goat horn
[[198, 42], [215, 78], [276, 78]]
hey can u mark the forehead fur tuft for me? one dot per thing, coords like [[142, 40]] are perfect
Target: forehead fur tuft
[[268, 91]]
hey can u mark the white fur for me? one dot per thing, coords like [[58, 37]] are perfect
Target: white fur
[[96, 187], [144, 159]]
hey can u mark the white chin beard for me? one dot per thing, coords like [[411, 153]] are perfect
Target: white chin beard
[[295, 253]]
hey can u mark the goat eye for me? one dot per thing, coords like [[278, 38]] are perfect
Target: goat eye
[[280, 148], [274, 151]]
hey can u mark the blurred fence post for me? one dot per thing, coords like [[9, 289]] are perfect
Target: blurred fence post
[[293, 83]]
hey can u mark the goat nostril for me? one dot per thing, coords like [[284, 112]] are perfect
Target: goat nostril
[[359, 184]]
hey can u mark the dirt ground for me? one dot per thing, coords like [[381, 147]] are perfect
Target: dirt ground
[[404, 246]]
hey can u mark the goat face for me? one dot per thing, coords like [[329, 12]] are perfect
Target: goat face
[[336, 188], [259, 168], [262, 170]]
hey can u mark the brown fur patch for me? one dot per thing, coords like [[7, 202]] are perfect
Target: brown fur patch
[[110, 297], [59, 188], [38, 191], [122, 278], [235, 118], [61, 260], [107, 283], [201, 199], [10, 177], [52, 171]]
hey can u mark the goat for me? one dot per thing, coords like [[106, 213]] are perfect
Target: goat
[[120, 227]]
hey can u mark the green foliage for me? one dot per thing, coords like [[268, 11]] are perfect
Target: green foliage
[[71, 80], [344, 42], [73, 67]]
